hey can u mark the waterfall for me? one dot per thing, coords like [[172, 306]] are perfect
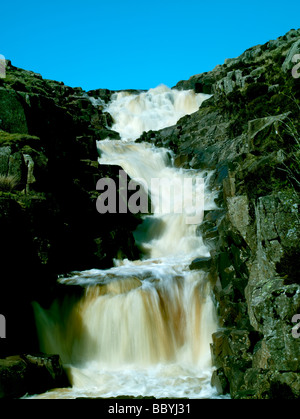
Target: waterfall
[[153, 110], [142, 327]]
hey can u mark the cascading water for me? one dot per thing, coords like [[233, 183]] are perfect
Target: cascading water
[[153, 110], [142, 327]]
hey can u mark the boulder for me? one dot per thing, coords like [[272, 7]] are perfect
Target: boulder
[[27, 374], [203, 264], [220, 382]]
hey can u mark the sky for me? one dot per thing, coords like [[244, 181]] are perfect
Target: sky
[[136, 44]]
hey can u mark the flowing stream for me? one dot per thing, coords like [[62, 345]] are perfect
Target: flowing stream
[[144, 327]]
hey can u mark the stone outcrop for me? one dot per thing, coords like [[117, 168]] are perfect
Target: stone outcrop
[[24, 375], [248, 133], [48, 173]]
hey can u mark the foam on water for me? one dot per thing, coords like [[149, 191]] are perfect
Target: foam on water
[[141, 327]]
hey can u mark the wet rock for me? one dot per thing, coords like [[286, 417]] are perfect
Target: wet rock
[[203, 264], [22, 375], [220, 382], [103, 94], [107, 133]]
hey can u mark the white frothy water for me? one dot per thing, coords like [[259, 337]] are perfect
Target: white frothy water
[[152, 110], [142, 327], [166, 233]]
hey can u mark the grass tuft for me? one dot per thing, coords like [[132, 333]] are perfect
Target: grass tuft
[[8, 183]]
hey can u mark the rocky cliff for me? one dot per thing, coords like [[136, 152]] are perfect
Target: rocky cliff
[[247, 133], [48, 172]]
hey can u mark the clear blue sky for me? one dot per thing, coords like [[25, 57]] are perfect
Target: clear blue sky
[[134, 44]]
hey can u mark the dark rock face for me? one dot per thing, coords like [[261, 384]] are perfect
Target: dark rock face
[[48, 173], [30, 374], [248, 132], [201, 263]]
